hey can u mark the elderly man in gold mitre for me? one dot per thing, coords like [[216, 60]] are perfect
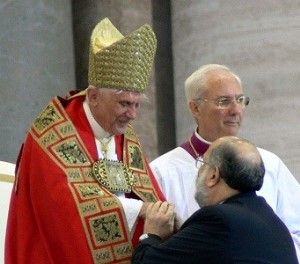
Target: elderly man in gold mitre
[[80, 195]]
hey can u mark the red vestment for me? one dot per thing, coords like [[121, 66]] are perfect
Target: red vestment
[[59, 213]]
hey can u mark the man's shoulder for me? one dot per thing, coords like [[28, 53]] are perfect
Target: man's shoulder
[[238, 203], [218, 214]]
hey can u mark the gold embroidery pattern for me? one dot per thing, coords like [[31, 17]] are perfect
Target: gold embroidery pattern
[[129, 133], [123, 250], [104, 255], [106, 229], [49, 138], [71, 153], [114, 175], [74, 175], [67, 129], [137, 176], [145, 181], [90, 190], [89, 208], [99, 210], [88, 174], [136, 160], [48, 117], [145, 188], [108, 237], [109, 203], [148, 196]]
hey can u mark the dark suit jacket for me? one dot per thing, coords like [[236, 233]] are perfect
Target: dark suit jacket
[[243, 229]]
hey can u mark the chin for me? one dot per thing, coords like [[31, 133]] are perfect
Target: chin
[[232, 131], [120, 130]]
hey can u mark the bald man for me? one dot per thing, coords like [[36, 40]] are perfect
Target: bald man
[[217, 101], [234, 225]]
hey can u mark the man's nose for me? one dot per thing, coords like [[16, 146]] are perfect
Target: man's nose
[[132, 111], [236, 107]]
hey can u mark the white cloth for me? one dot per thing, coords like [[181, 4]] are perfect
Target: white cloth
[[131, 207], [176, 174], [7, 172]]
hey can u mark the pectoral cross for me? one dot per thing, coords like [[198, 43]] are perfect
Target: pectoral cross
[[104, 145]]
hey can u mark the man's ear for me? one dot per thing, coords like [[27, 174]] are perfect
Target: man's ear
[[194, 107], [214, 177], [92, 94]]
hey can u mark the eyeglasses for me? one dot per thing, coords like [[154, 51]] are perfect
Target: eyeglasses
[[225, 102], [200, 162]]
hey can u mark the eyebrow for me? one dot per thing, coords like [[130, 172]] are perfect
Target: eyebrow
[[228, 96]]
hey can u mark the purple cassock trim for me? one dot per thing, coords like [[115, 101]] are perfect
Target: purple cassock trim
[[200, 147]]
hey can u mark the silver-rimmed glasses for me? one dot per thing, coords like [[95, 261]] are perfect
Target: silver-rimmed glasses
[[225, 102], [200, 162]]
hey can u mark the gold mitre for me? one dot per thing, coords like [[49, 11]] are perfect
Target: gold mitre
[[119, 62]]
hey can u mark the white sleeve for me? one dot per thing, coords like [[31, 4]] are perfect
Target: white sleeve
[[176, 173], [131, 208], [288, 203]]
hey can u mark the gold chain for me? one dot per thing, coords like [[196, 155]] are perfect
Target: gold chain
[[104, 145]]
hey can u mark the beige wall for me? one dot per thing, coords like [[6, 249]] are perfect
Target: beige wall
[[36, 64], [44, 52], [260, 41]]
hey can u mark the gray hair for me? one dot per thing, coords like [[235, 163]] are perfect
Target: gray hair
[[240, 173], [117, 91], [195, 84]]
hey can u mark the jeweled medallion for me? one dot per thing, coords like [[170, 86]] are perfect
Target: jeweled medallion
[[114, 175]]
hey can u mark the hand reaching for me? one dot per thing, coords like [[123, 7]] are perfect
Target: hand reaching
[[160, 219]]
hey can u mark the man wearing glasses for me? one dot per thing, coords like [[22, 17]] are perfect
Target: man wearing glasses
[[234, 224], [216, 100]]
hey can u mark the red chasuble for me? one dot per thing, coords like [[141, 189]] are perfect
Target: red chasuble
[[59, 212]]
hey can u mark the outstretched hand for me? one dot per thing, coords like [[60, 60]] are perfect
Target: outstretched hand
[[160, 219]]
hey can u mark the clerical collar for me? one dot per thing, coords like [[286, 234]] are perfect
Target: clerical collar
[[201, 138], [196, 146], [98, 131]]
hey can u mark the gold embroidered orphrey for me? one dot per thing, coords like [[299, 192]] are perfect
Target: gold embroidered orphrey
[[114, 175], [102, 217]]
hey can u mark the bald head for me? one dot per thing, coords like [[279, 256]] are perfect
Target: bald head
[[231, 165], [239, 162]]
